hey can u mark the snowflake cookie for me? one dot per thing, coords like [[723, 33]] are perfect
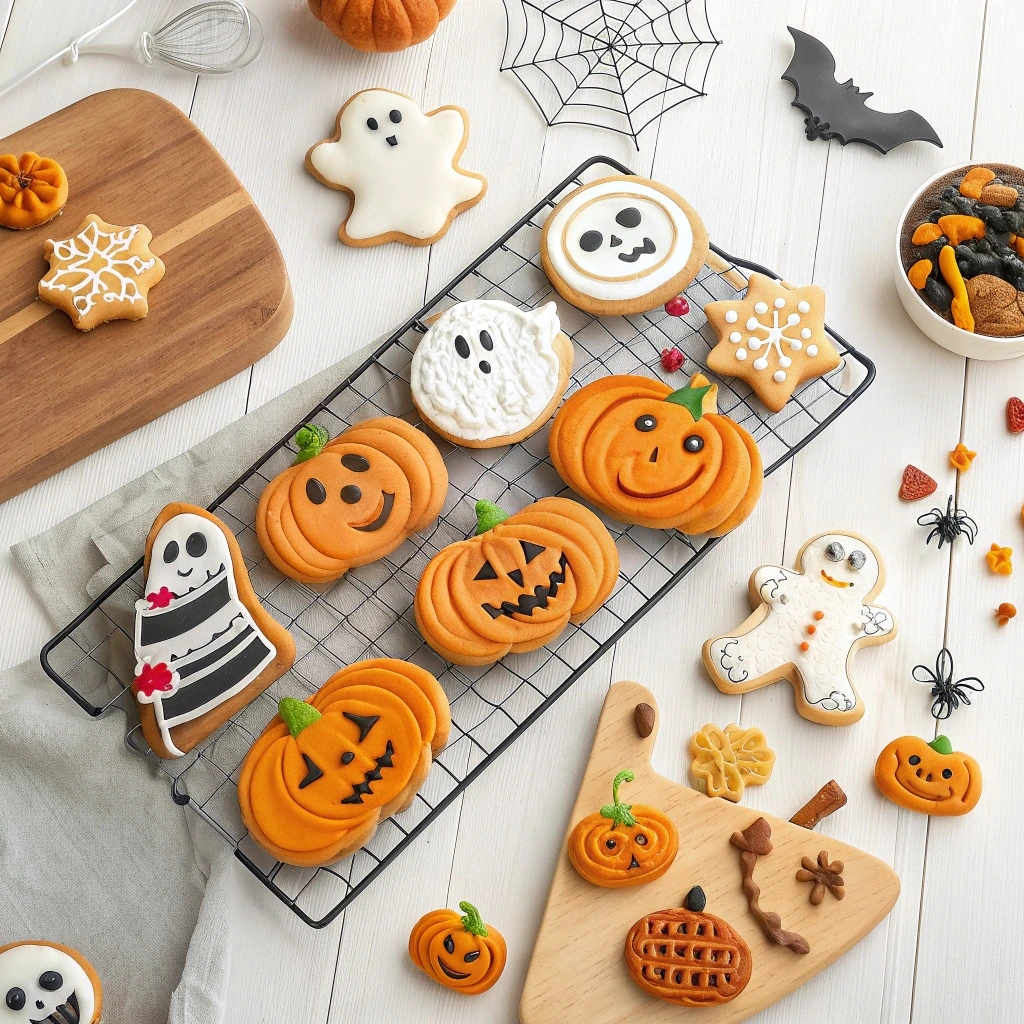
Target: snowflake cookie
[[806, 625], [399, 166], [773, 338], [102, 272]]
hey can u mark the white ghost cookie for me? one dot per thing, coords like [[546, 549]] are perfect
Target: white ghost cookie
[[622, 245], [488, 374], [45, 982], [806, 626], [399, 166]]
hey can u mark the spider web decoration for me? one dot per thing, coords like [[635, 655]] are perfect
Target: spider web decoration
[[616, 64]]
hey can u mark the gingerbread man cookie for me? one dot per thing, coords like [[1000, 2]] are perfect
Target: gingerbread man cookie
[[773, 338], [399, 166], [806, 626]]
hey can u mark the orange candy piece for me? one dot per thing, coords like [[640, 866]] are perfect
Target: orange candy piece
[[33, 190], [974, 181], [961, 457], [959, 228], [461, 953], [998, 559], [1005, 612], [918, 273], [926, 233]]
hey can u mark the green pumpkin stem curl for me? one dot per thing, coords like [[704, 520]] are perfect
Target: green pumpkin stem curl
[[472, 922], [621, 814], [488, 516], [297, 714]]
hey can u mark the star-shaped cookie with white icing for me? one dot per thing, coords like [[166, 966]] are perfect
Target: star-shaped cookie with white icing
[[102, 272], [773, 338], [400, 168]]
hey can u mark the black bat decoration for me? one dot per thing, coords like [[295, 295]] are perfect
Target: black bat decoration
[[837, 110]]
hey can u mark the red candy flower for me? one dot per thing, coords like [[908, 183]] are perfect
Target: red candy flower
[[153, 678], [677, 306], [672, 359], [161, 599]]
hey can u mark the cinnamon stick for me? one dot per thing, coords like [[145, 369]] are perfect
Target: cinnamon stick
[[826, 801]]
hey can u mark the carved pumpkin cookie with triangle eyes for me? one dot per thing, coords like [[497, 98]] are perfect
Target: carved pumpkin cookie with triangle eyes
[[351, 500], [648, 455], [515, 585], [461, 953], [326, 771], [623, 844]]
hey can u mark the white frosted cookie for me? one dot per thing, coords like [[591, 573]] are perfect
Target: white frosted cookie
[[399, 166], [488, 373], [622, 244]]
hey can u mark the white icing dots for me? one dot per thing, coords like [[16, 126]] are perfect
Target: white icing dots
[[812, 351], [779, 376], [785, 361], [806, 333], [741, 354], [780, 302], [795, 344], [754, 343], [804, 306], [761, 363], [793, 318], [761, 307], [731, 316], [752, 323], [735, 336]]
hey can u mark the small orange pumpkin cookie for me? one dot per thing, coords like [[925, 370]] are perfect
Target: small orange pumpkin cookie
[[461, 953], [326, 771], [44, 981], [516, 584], [33, 190], [352, 500], [727, 761], [648, 455], [928, 777], [623, 844]]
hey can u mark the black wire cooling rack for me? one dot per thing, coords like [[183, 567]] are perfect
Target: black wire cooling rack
[[368, 612]]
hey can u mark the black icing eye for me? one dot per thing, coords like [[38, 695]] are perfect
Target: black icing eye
[[396, 116], [471, 956], [171, 552], [371, 123], [835, 552], [516, 576], [914, 759], [611, 844], [645, 424], [641, 840], [313, 772], [485, 367], [449, 944], [694, 443], [315, 491], [629, 217], [462, 346], [591, 240], [856, 560], [196, 544], [531, 551], [348, 757], [355, 463], [947, 773], [15, 999], [51, 981], [485, 341], [486, 572], [350, 494]]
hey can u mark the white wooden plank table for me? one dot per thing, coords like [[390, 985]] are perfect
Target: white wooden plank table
[[812, 211]]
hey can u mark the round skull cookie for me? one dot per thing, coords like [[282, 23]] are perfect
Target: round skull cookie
[[43, 981], [621, 245], [488, 374]]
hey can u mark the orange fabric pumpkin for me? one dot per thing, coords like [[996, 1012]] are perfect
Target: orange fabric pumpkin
[[352, 500], [324, 772], [33, 190], [649, 455], [381, 25], [515, 585], [623, 844], [461, 953], [928, 777]]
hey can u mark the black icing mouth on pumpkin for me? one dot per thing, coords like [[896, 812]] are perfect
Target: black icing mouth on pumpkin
[[382, 517], [66, 1013], [454, 975], [529, 603], [647, 249], [361, 789]]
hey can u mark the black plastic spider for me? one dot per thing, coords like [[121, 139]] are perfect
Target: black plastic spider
[[948, 525], [948, 695]]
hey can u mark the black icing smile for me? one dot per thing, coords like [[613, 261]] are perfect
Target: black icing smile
[[529, 603], [454, 975], [67, 1013], [647, 249], [180, 573], [361, 789], [382, 516], [199, 586]]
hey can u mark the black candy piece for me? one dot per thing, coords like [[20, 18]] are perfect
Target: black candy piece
[[994, 218], [931, 250], [696, 900], [1014, 221], [938, 294]]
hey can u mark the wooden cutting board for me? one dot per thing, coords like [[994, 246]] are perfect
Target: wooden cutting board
[[131, 157], [578, 974]]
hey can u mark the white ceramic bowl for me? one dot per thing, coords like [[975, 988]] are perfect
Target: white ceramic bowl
[[938, 328]]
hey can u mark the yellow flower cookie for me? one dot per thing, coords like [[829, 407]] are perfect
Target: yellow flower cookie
[[725, 762]]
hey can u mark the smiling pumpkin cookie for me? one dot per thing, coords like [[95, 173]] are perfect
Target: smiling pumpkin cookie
[[931, 778]]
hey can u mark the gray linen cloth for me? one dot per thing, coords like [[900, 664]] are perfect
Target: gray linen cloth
[[94, 853]]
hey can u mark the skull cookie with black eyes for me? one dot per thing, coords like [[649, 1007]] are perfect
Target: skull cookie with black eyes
[[45, 983], [488, 374], [622, 245], [399, 166], [806, 626]]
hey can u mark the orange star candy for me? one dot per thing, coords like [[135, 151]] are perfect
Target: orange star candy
[[999, 560], [961, 457]]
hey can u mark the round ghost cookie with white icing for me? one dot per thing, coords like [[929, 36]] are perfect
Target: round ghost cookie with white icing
[[45, 982], [622, 244], [488, 373], [399, 166]]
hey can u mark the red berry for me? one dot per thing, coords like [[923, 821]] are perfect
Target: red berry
[[672, 359], [916, 484], [677, 306], [1015, 416]]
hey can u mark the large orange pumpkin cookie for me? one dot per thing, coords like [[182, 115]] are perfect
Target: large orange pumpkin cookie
[[516, 584], [33, 190], [461, 953], [649, 455], [352, 500], [326, 771], [931, 778]]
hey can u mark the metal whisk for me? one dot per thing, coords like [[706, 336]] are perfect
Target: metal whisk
[[212, 38]]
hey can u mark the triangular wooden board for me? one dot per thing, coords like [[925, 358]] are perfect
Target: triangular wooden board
[[578, 973]]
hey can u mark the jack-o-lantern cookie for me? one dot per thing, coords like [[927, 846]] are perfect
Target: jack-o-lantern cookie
[[46, 983], [623, 844], [649, 455], [204, 645], [621, 245], [931, 778], [461, 953], [33, 190], [354, 501], [515, 585], [488, 374], [774, 338], [326, 771]]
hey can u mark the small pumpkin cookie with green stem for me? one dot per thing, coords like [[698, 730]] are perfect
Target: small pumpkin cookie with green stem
[[461, 953]]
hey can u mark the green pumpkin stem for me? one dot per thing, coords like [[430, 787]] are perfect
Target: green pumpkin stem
[[488, 515], [691, 399], [311, 440], [297, 714], [472, 922], [620, 813], [941, 745]]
